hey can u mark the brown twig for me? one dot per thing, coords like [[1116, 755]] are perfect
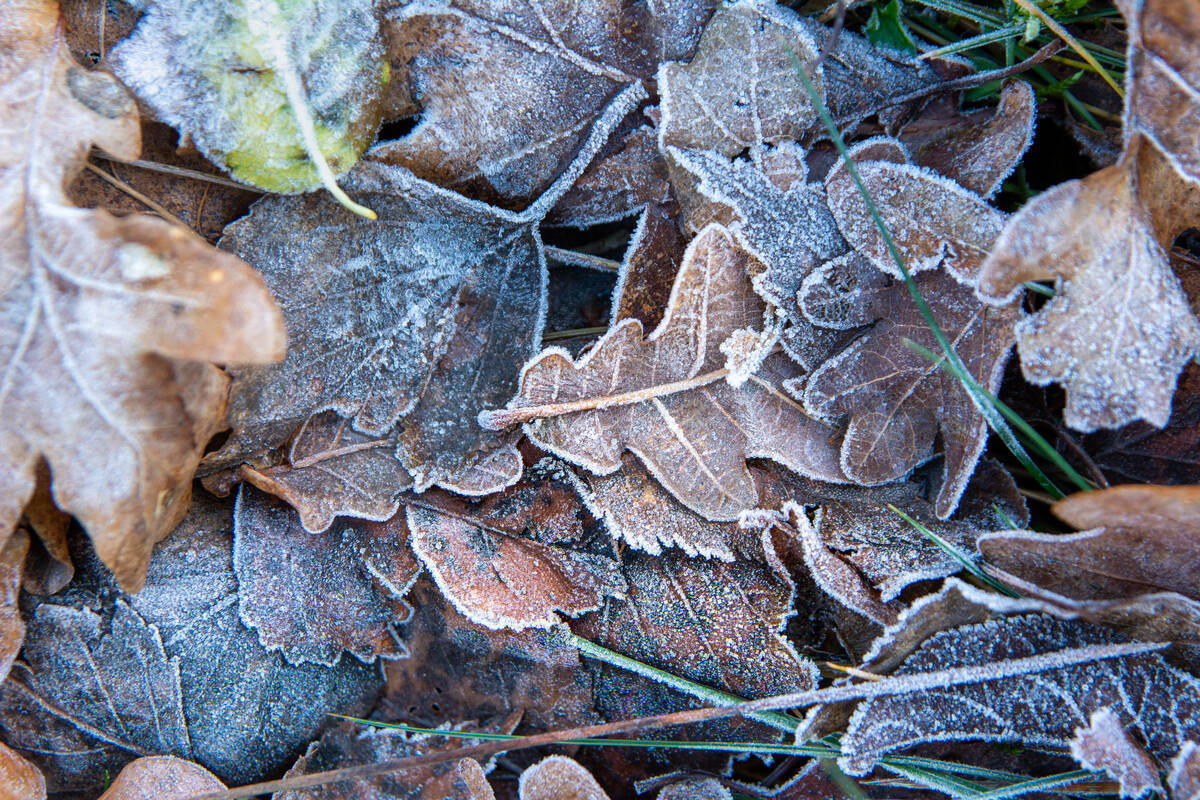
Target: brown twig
[[136, 195], [831, 43], [182, 172]]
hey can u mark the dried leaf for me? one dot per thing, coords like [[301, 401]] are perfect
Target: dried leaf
[[559, 778], [616, 185], [424, 315], [1184, 779], [12, 629], [96, 310], [561, 64], [652, 258], [50, 573], [351, 743], [903, 410], [1118, 330], [695, 789], [460, 670], [19, 780], [313, 597], [663, 397], [512, 561], [1158, 703], [333, 470], [245, 78], [161, 778], [1105, 745]]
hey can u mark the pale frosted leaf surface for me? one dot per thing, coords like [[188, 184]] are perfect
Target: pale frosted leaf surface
[[1119, 330], [513, 560], [903, 409], [695, 789], [161, 778], [461, 670], [663, 396], [648, 269], [1104, 745], [314, 596], [333, 470], [1156, 702], [1184, 778], [191, 596], [19, 779], [559, 778], [617, 185], [94, 308], [841, 292], [977, 150], [89, 696], [561, 61], [740, 91], [932, 219], [1164, 79], [714, 622], [12, 629], [351, 743], [213, 71]]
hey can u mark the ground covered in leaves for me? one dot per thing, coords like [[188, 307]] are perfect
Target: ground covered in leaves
[[384, 383]]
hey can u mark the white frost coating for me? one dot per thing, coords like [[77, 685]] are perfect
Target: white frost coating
[[1184, 778], [1103, 744]]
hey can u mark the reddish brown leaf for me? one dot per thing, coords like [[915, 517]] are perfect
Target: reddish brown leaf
[[97, 309], [313, 596], [161, 778], [643, 289], [12, 629], [19, 780]]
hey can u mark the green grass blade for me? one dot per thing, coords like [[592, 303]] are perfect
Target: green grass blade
[[958, 555]]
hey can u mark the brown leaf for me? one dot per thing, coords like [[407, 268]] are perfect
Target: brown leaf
[[12, 629], [903, 410], [460, 670], [314, 596], [96, 310], [1118, 330], [655, 251], [47, 574], [19, 780], [559, 778], [425, 315], [351, 743], [664, 398], [333, 470], [617, 184], [1105, 745], [513, 560], [695, 789], [1184, 779], [161, 778], [562, 64]]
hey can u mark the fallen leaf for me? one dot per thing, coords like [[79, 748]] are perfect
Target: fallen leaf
[[98, 309], [1184, 779], [562, 65], [903, 409], [459, 670], [161, 778], [351, 743], [1118, 330], [313, 597], [52, 572], [425, 316], [617, 184], [333, 470], [1105, 745], [1039, 710], [512, 561], [655, 250], [12, 629], [559, 778], [19, 780], [695, 789], [265, 90], [663, 397]]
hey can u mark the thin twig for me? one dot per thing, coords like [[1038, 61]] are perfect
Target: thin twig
[[576, 259], [830, 43], [571, 333], [136, 195], [182, 172]]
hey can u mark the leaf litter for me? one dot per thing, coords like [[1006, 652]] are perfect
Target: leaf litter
[[760, 483]]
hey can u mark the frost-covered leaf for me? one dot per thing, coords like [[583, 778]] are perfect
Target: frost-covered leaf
[[561, 63], [460, 670], [333, 470], [933, 220], [903, 409], [617, 185], [655, 250], [20, 779], [1118, 330], [664, 396], [1105, 745], [1156, 702], [1184, 779], [102, 315], [979, 149], [245, 78], [91, 693], [351, 743], [426, 315], [512, 560], [695, 789], [12, 629], [315, 596], [161, 778], [1164, 79], [559, 778]]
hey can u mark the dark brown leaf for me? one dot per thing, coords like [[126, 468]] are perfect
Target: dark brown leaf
[[314, 596], [161, 778], [655, 251], [617, 184]]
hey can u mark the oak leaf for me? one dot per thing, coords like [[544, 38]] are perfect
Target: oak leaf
[[1118, 330], [161, 778], [650, 263], [106, 319], [664, 397]]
